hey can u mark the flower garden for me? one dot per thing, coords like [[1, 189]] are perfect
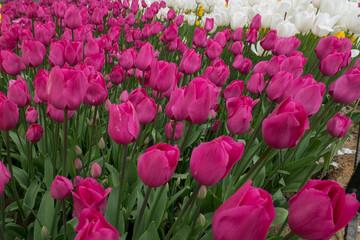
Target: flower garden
[[176, 119]]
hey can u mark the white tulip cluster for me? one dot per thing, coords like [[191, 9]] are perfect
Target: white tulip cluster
[[288, 17]]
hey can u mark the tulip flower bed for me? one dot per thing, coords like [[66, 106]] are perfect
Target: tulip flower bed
[[120, 122]]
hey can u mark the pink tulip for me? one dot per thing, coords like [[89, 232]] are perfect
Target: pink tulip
[[31, 115], [280, 86], [309, 93], [114, 33], [269, 42], [178, 130], [220, 37], [74, 52], [66, 88], [346, 89], [34, 133], [124, 126], [95, 170], [57, 114], [326, 46], [117, 75], [235, 89], [171, 14], [40, 82], [239, 114], [200, 38], [256, 83], [56, 55], [179, 20], [294, 65], [162, 75], [286, 46], [339, 125], [11, 63], [209, 24], [9, 113], [217, 75], [157, 165], [97, 16], [173, 107], [96, 60], [331, 64], [61, 188], [44, 33], [145, 106], [92, 225], [250, 203], [256, 22], [274, 64], [32, 53], [5, 177], [251, 35], [190, 62], [89, 194], [260, 67], [145, 57], [291, 114], [72, 17], [96, 92], [320, 209], [171, 33], [213, 49], [237, 48], [18, 92], [211, 161], [243, 65]]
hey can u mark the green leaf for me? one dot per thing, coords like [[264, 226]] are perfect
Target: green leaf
[[21, 176], [280, 216], [111, 210], [45, 214], [114, 174], [180, 235], [160, 207], [151, 233], [30, 196]]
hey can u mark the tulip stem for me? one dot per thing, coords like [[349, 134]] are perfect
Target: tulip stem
[[2, 215], [173, 133], [12, 181], [141, 213], [91, 138], [122, 179], [186, 137], [65, 141], [52, 233], [288, 236], [31, 167], [64, 216], [56, 142], [154, 206], [189, 203], [197, 213]]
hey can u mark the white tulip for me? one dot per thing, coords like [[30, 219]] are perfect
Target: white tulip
[[253, 2], [303, 21], [316, 3], [323, 24], [353, 21], [286, 29], [333, 7], [275, 20], [239, 19]]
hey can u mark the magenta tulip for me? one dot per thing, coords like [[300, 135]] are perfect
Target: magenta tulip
[[18, 92], [34, 133], [11, 63], [190, 62], [269, 42], [173, 107], [218, 75], [9, 113], [256, 83], [145, 57], [213, 49], [5, 177], [72, 17], [57, 53], [235, 89], [162, 75], [31, 115], [339, 125], [346, 89], [169, 127], [280, 86], [286, 46], [32, 53], [331, 64], [57, 114], [145, 106], [200, 38], [61, 188], [96, 92], [209, 24]]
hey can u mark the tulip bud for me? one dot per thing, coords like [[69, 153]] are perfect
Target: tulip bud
[[201, 220], [31, 115], [78, 164], [105, 183], [178, 180], [202, 192], [61, 187], [95, 170], [34, 133], [101, 144], [44, 233], [78, 150], [339, 125]]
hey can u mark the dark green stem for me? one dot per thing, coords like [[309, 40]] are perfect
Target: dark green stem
[[121, 184], [197, 213], [2, 237], [2, 213], [91, 139], [56, 142], [288, 236], [64, 216], [189, 203], [65, 142], [141, 213]]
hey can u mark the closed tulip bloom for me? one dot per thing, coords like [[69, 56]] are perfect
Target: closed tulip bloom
[[213, 49], [239, 114], [190, 62], [72, 17], [286, 46], [178, 130], [117, 75], [31, 115], [256, 22], [346, 89], [269, 42], [18, 92], [309, 93], [173, 107], [124, 126], [285, 125], [44, 32], [294, 65], [114, 33], [61, 188], [157, 165], [57, 114], [237, 35], [66, 88], [251, 35], [171, 14], [331, 64], [274, 64], [237, 48], [145, 57], [40, 82], [211, 161], [234, 90], [256, 83], [93, 46], [96, 92], [244, 66], [97, 16], [74, 52], [93, 225], [250, 203], [155, 28], [218, 75], [171, 33], [162, 75], [34, 133], [11, 63], [220, 37], [56, 55], [32, 53], [280, 86], [145, 106], [97, 60], [89, 194], [339, 125], [327, 45], [209, 24], [9, 113], [260, 67], [5, 177], [320, 209], [179, 20], [200, 38], [95, 170], [199, 97]]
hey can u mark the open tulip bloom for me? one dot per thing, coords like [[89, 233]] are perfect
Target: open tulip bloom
[[175, 119]]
